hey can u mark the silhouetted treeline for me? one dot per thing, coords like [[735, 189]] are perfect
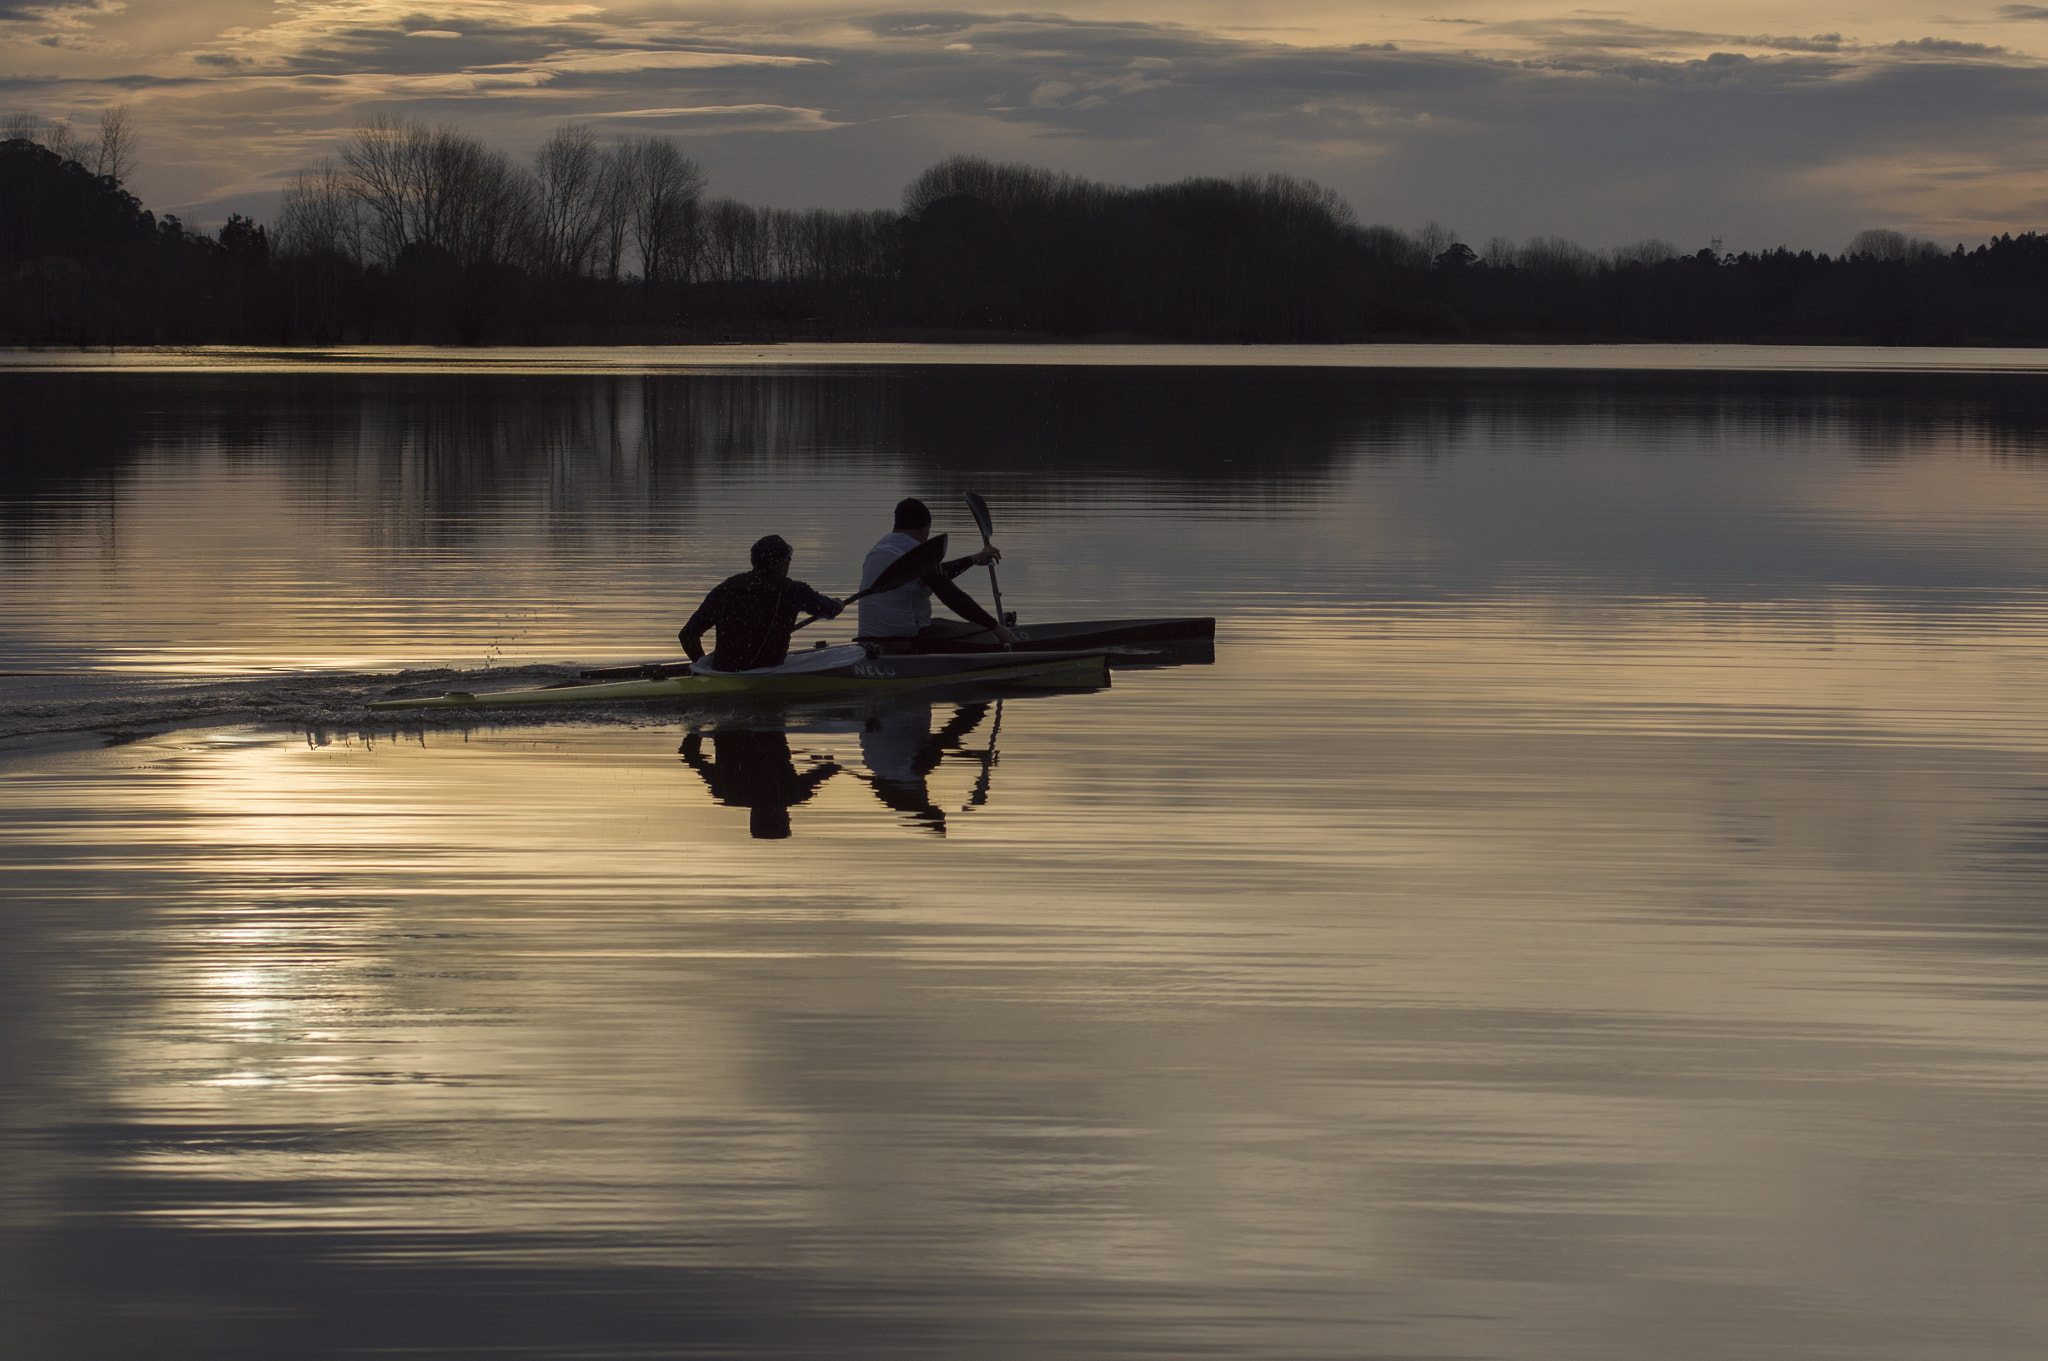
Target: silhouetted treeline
[[411, 234]]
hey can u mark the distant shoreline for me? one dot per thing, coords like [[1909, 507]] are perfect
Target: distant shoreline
[[541, 360]]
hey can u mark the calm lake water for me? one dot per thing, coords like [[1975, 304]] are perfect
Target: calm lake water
[[1594, 905]]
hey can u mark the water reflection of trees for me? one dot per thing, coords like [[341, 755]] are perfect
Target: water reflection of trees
[[751, 765], [61, 432], [622, 456]]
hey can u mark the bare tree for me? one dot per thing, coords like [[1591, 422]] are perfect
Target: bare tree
[[113, 154], [666, 189], [736, 241], [1889, 247], [384, 161], [478, 206], [56, 134], [744, 244], [439, 189], [1302, 203], [571, 197], [1499, 253], [616, 189], [1389, 246], [61, 138], [321, 214], [1434, 239], [1002, 186], [1649, 251], [1556, 255]]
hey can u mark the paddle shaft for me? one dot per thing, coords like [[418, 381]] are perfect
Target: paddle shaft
[[979, 509], [993, 588]]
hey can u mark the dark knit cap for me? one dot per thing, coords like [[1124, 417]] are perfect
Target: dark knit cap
[[912, 513], [772, 548]]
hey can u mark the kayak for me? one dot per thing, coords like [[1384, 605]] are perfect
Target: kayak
[[820, 672], [948, 635], [953, 636]]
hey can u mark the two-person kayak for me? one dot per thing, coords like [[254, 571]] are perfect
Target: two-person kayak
[[821, 672], [756, 607], [1132, 637]]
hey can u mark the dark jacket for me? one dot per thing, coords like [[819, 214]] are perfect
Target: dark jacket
[[753, 613]]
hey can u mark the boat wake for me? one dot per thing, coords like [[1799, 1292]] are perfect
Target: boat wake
[[40, 711]]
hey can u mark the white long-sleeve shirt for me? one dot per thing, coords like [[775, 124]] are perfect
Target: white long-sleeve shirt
[[905, 611]]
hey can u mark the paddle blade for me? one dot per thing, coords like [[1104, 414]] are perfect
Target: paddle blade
[[978, 508], [909, 567], [901, 572]]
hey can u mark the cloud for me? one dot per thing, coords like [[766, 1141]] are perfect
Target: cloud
[[59, 13], [1819, 42], [1944, 47], [1583, 32], [355, 35], [730, 118], [664, 61], [1727, 69], [940, 23]]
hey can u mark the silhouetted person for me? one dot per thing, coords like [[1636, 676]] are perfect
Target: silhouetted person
[[755, 771], [893, 620], [902, 751], [754, 612]]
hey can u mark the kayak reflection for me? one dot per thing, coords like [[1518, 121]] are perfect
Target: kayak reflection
[[904, 741], [902, 744]]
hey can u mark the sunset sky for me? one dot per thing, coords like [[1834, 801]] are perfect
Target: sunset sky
[[1797, 124]]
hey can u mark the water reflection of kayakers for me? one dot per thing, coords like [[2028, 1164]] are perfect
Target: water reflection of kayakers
[[754, 770], [901, 752], [755, 612], [892, 620]]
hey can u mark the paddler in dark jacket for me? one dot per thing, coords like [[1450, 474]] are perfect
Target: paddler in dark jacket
[[754, 612], [893, 620]]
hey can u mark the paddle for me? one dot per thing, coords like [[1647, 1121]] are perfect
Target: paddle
[[901, 572], [978, 508]]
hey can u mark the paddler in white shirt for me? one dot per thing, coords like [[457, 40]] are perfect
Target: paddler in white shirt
[[894, 620]]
